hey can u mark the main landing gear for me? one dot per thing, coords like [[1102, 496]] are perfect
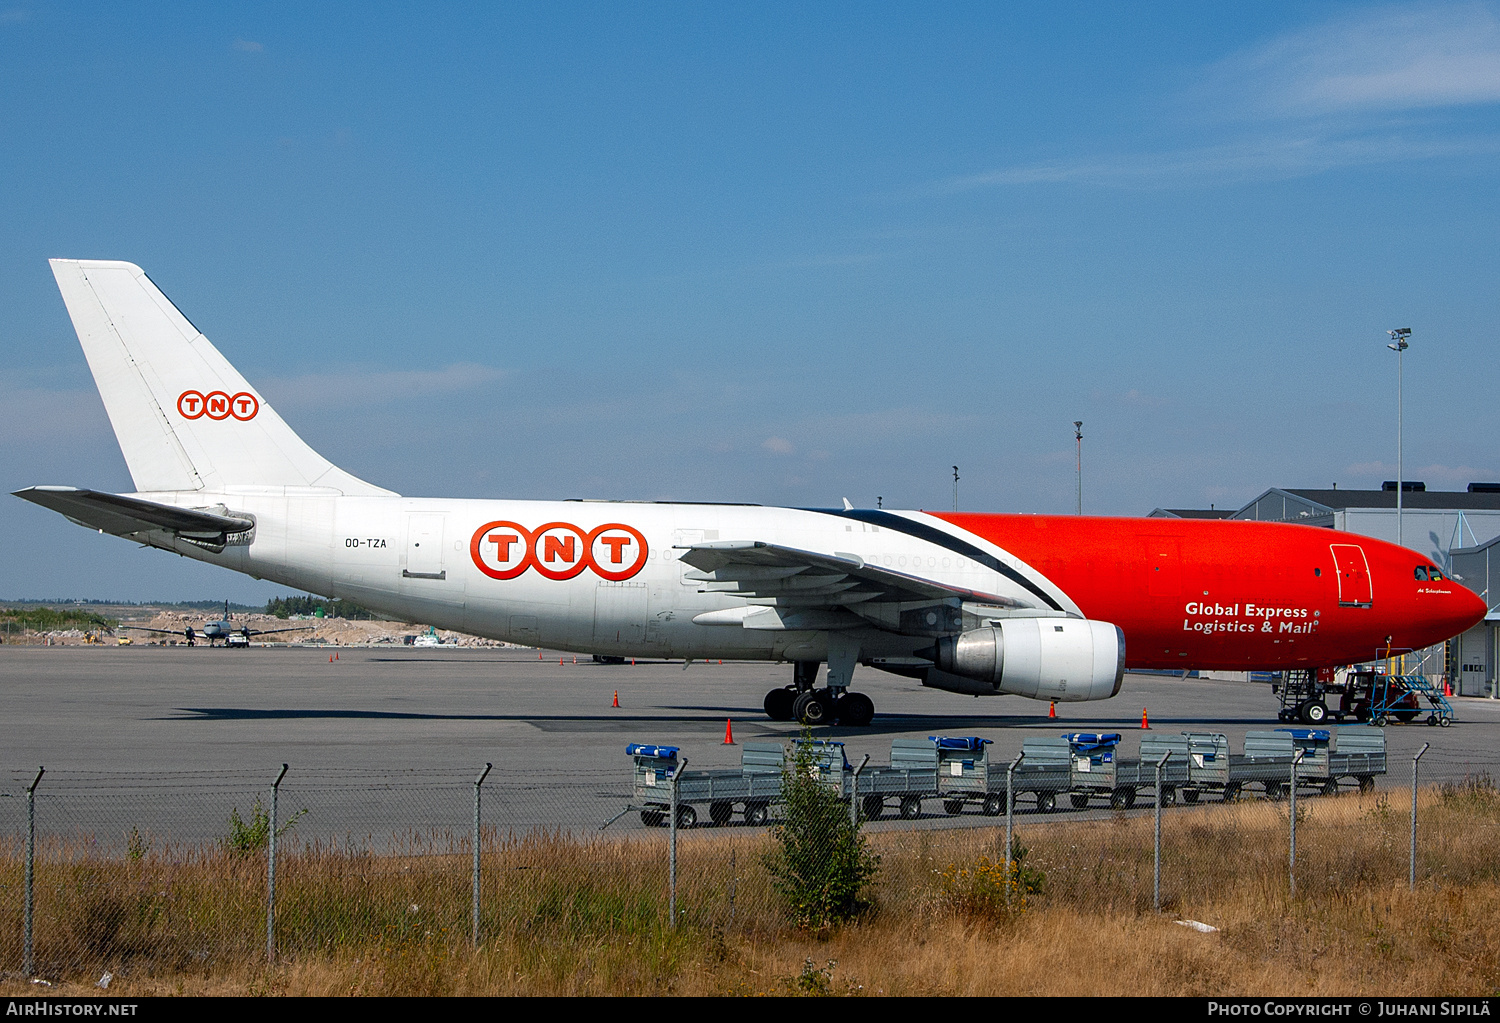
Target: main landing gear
[[801, 702]]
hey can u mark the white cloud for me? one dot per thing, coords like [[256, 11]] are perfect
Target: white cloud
[[780, 445], [1344, 93], [14, 16], [1386, 59], [248, 46]]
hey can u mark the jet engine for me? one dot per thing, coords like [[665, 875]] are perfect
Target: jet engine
[[1063, 659]]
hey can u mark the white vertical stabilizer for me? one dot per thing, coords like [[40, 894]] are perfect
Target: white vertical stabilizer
[[185, 418]]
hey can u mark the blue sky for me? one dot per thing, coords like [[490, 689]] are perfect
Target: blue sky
[[758, 253]]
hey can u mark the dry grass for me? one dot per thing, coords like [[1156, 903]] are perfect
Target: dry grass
[[570, 916]]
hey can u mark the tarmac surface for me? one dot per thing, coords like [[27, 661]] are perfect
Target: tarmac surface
[[146, 719]]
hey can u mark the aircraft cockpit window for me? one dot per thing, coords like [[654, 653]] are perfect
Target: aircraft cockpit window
[[1421, 574], [1435, 575]]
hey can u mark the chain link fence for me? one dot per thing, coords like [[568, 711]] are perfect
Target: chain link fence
[[151, 874]]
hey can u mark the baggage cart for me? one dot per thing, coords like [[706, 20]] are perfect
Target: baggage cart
[[1315, 744], [1358, 754], [1267, 761], [752, 789], [1208, 767], [1099, 770], [910, 778], [1175, 774]]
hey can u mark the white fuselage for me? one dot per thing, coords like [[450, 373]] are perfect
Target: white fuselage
[[424, 560]]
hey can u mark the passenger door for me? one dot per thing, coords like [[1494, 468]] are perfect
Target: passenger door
[[1354, 575]]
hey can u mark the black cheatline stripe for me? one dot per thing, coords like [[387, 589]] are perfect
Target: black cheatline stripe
[[922, 531]]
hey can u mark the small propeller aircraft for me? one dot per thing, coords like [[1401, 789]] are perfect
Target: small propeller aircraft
[[221, 629]]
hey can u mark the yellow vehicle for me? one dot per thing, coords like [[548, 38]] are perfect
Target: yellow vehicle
[[123, 641]]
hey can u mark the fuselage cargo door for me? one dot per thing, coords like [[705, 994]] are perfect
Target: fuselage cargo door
[[620, 613], [424, 547], [1354, 575]]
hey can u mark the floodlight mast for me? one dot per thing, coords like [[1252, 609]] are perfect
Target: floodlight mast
[[1399, 346], [1078, 436]]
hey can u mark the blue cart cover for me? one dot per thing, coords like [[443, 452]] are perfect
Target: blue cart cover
[[973, 743], [1315, 734], [1093, 740], [637, 749]]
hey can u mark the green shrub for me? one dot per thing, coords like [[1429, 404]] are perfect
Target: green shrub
[[820, 863]]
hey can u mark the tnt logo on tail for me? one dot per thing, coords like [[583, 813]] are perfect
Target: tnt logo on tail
[[217, 405]]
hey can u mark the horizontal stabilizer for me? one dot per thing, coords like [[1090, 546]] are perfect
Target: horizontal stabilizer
[[123, 516]]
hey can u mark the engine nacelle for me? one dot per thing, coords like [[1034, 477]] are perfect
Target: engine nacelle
[[1062, 659]]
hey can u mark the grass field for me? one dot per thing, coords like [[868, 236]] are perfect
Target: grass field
[[563, 915]]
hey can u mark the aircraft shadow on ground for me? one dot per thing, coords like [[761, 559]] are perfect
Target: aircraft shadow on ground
[[885, 724]]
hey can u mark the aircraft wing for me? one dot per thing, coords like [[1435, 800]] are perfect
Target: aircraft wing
[[272, 632], [125, 516], [787, 588]]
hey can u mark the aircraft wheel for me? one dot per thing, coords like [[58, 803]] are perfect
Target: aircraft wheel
[[812, 708], [854, 709], [778, 704]]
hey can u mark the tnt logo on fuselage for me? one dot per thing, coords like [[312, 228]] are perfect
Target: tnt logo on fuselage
[[558, 550], [218, 405]]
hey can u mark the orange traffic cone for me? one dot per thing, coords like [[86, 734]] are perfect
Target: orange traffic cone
[[539, 655], [330, 658], [632, 662], [728, 732], [559, 660], [617, 698], [1145, 725], [335, 655], [575, 658], [721, 660], [1052, 710], [1447, 689]]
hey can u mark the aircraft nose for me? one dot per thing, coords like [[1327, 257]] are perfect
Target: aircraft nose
[[1469, 609]]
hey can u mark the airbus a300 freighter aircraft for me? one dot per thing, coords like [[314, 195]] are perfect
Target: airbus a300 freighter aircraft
[[1047, 607]]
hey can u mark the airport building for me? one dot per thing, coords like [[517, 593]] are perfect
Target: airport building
[[1458, 530]]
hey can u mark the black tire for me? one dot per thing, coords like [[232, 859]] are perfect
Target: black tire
[[1406, 717], [687, 817], [1120, 799], [911, 808], [1315, 712], [953, 807], [1190, 796], [855, 710], [720, 811], [1432, 719], [1168, 796], [1275, 790], [1445, 721], [1362, 712], [1231, 792], [1331, 787], [1080, 800], [652, 818], [874, 806], [778, 704], [812, 709], [994, 805], [1046, 802], [1366, 783], [757, 814]]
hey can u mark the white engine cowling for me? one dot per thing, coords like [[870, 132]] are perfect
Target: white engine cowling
[[1062, 659]]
